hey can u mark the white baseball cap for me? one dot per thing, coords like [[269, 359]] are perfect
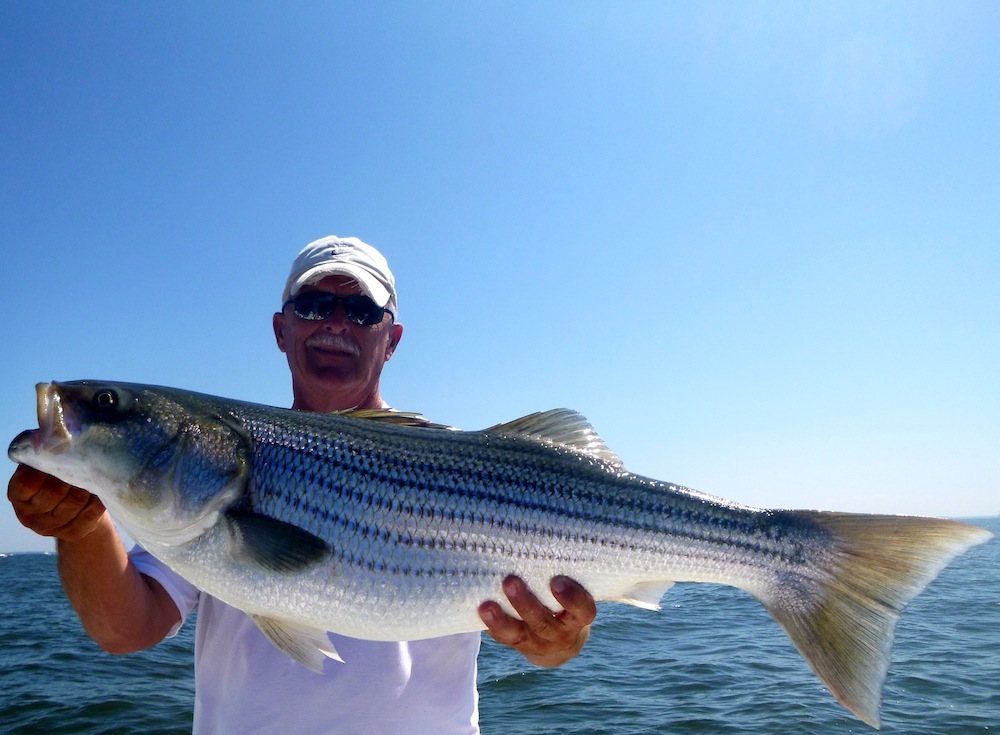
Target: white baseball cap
[[343, 256]]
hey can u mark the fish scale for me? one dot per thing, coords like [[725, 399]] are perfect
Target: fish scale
[[545, 518], [380, 525]]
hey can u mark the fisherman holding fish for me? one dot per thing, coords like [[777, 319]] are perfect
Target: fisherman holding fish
[[337, 327], [379, 526]]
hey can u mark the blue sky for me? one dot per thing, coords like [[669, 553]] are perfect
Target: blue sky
[[757, 244]]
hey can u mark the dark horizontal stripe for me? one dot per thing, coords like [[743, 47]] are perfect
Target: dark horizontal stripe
[[527, 485]]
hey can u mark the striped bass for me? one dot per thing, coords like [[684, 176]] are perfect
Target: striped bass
[[379, 525]]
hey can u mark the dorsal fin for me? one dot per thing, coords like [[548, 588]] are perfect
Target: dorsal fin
[[563, 427], [400, 418]]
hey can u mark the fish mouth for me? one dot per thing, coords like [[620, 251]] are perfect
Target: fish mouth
[[53, 435]]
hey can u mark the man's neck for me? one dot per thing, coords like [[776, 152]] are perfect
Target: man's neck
[[330, 402]]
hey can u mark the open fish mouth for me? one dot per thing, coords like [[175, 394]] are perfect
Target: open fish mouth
[[53, 435]]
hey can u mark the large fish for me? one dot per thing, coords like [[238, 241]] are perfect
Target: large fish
[[369, 527]]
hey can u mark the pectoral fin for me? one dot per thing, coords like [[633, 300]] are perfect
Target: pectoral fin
[[308, 646], [272, 544]]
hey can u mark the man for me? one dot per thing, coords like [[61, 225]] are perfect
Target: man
[[337, 328]]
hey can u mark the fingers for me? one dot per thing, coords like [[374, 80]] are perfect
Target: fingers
[[50, 507], [502, 627], [542, 621], [544, 637], [578, 603]]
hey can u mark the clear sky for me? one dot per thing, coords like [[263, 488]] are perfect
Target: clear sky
[[757, 244]]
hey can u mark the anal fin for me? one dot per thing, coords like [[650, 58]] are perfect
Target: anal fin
[[646, 595], [308, 646]]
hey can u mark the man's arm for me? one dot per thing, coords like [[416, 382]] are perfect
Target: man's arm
[[545, 638], [122, 610]]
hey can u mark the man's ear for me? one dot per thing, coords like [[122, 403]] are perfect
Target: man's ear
[[395, 334], [278, 322]]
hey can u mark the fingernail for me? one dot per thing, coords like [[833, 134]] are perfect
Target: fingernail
[[559, 585], [511, 588]]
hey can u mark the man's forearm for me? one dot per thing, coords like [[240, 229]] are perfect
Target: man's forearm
[[122, 610]]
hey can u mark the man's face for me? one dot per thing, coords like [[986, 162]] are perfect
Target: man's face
[[335, 363]]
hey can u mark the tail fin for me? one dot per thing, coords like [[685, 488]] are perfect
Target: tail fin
[[842, 616]]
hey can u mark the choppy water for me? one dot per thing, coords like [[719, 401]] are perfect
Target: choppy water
[[712, 662]]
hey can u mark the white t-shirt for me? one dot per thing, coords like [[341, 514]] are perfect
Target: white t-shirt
[[244, 685]]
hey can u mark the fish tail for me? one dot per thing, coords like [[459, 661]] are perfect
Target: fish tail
[[841, 612]]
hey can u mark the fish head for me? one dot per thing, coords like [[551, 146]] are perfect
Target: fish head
[[163, 462]]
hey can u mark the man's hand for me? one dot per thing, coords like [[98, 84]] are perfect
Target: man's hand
[[50, 507], [545, 638], [121, 609]]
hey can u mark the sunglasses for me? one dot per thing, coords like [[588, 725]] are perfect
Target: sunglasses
[[315, 307]]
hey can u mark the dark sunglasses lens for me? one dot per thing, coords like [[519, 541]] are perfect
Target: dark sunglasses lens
[[359, 309], [362, 310], [314, 308]]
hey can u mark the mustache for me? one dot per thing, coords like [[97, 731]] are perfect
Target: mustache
[[334, 341]]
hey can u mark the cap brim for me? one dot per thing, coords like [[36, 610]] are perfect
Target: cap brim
[[370, 284]]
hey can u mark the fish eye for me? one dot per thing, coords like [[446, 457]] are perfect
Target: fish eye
[[105, 400]]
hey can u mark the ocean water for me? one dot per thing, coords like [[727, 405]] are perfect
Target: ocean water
[[711, 662]]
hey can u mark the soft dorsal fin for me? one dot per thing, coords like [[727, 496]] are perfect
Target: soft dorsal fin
[[563, 427], [400, 418]]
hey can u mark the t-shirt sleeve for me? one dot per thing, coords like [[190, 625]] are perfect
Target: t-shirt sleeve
[[184, 594]]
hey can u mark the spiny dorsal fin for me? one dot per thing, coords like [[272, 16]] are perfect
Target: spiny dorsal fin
[[563, 427], [400, 418]]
